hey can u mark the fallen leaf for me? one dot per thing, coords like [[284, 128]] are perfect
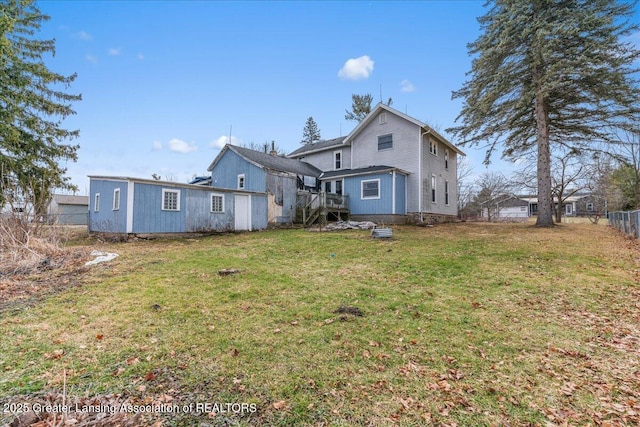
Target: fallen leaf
[[150, 376], [280, 405]]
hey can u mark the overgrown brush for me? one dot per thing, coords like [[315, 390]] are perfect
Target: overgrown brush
[[28, 246]]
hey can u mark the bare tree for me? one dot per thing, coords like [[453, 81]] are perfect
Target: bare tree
[[465, 189], [492, 187]]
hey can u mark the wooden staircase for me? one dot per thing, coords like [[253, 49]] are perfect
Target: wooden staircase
[[314, 208]]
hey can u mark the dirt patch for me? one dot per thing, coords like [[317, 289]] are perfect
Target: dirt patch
[[27, 283]]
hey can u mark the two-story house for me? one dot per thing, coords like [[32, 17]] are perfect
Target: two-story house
[[392, 166]]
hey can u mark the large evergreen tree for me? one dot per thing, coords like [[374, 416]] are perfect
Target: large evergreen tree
[[33, 105], [548, 73], [310, 133]]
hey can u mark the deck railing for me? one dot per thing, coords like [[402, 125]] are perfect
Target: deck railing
[[317, 205]]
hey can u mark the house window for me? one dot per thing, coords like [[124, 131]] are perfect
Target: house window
[[170, 200], [327, 187], [433, 147], [339, 187], [385, 142], [446, 159], [433, 188], [241, 181], [590, 207], [116, 199], [382, 118], [370, 189], [96, 203], [446, 193], [217, 203], [337, 160]]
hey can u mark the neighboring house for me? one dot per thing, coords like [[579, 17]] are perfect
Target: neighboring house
[[141, 206], [392, 167], [238, 168], [506, 208], [68, 210], [575, 205]]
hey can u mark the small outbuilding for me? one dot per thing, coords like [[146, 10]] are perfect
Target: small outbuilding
[[142, 206], [68, 210]]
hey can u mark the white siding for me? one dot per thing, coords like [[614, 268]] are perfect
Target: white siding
[[435, 165], [324, 159], [403, 155]]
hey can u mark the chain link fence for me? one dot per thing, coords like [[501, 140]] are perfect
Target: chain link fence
[[627, 222]]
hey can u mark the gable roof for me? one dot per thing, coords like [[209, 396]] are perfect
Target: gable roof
[[318, 146], [268, 161], [66, 199], [380, 107]]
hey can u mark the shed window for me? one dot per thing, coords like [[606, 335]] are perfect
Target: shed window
[[241, 181], [170, 200], [116, 199], [96, 203], [385, 142], [371, 189], [217, 203]]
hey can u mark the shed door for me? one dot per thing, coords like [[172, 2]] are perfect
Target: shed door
[[242, 208]]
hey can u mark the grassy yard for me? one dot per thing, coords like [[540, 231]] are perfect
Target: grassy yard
[[455, 325]]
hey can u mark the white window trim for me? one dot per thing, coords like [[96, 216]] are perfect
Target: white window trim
[[362, 197], [433, 147], [167, 190], [116, 199], [334, 160], [96, 203], [382, 118], [211, 202], [244, 182], [447, 195], [434, 189]]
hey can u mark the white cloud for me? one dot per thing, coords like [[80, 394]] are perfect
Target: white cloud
[[114, 51], [157, 146], [356, 68], [407, 86], [224, 140], [91, 58], [180, 146], [83, 35]]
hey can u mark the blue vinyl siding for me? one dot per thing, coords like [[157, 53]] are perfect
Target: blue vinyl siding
[[198, 212], [107, 220], [148, 216], [401, 194], [225, 174], [380, 206], [259, 207]]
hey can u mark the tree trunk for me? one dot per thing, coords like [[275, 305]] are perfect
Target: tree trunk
[[545, 200]]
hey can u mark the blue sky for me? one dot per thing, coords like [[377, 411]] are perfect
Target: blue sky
[[164, 83]]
